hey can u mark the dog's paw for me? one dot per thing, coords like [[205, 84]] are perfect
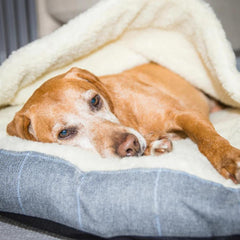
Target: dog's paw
[[161, 146], [230, 165]]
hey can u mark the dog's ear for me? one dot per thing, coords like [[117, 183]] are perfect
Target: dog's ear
[[21, 127], [83, 74], [75, 72]]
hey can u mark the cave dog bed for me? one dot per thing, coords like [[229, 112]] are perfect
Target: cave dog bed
[[176, 194]]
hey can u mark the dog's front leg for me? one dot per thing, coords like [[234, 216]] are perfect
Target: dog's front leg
[[224, 157]]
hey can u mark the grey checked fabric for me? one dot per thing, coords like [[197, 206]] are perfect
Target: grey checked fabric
[[139, 202]]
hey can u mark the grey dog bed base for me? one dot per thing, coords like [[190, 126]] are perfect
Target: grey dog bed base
[[134, 202]]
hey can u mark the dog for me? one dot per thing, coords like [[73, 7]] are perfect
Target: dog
[[137, 112]]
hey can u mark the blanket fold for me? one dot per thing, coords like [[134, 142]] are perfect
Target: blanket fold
[[182, 35]]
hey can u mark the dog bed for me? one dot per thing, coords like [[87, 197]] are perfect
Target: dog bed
[[176, 194]]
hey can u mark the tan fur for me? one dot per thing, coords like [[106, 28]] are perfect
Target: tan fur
[[148, 101]]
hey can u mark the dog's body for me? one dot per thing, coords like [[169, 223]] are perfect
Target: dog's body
[[129, 114]]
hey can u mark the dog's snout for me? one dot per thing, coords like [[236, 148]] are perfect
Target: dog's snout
[[129, 147]]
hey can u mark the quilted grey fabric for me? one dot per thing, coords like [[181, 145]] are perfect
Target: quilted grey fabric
[[139, 202]]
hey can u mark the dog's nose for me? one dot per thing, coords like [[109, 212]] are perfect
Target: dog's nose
[[129, 147]]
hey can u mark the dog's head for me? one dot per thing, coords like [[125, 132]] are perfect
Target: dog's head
[[75, 109]]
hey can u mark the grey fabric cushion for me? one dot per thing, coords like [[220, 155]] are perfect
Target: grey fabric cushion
[[238, 63], [140, 202]]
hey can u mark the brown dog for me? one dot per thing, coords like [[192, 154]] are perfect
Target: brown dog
[[132, 113]]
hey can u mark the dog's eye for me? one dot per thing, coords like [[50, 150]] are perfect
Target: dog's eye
[[95, 102], [65, 133]]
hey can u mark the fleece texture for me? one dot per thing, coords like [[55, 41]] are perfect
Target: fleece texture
[[184, 36]]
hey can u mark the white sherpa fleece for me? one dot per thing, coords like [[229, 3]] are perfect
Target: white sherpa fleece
[[184, 36]]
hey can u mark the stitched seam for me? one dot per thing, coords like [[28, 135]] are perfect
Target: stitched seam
[[78, 208], [19, 182], [78, 202], [157, 219], [238, 198]]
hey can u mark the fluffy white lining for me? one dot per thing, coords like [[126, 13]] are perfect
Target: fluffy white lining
[[184, 157], [183, 35]]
